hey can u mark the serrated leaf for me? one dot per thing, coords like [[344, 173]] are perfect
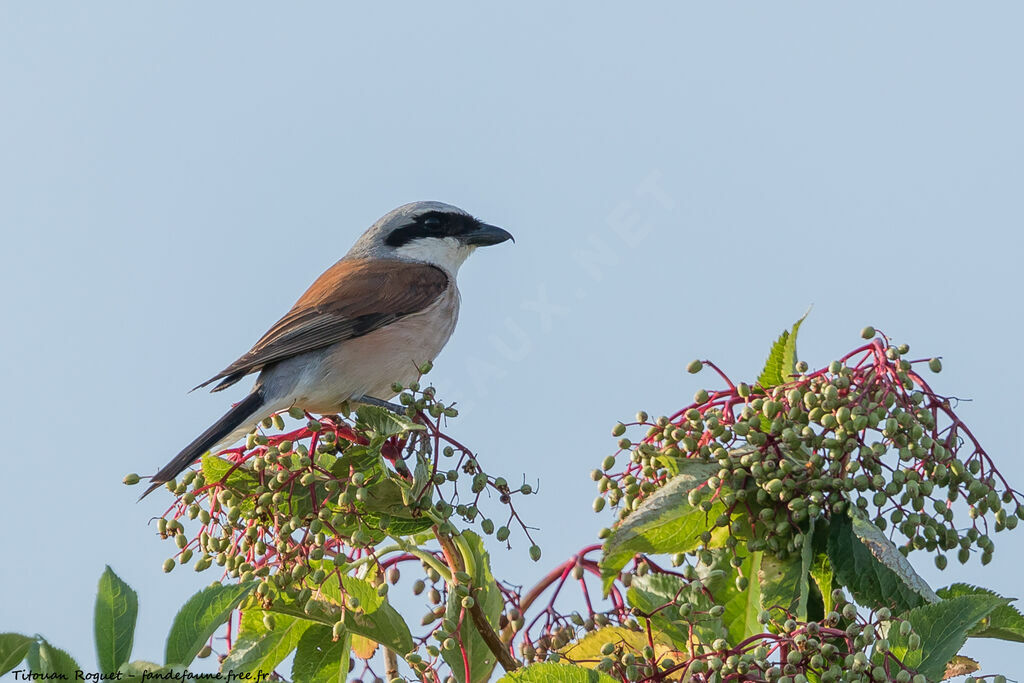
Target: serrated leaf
[[742, 608], [46, 659], [655, 594], [260, 649], [822, 574], [786, 583], [779, 367], [117, 608], [321, 659], [549, 672], [363, 647], [369, 600], [384, 423], [943, 628], [420, 480], [960, 666], [587, 651], [664, 523], [136, 668], [874, 570], [200, 617], [806, 562], [14, 648], [488, 597], [1005, 622], [383, 625], [216, 469], [780, 583]]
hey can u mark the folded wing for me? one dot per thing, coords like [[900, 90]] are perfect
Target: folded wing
[[350, 299]]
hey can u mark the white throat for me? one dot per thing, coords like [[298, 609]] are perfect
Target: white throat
[[447, 253]]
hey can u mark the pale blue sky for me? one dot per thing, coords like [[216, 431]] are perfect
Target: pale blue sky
[[683, 180]]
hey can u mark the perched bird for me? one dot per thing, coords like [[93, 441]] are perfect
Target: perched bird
[[371, 320]]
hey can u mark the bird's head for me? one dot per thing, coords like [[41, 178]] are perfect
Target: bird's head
[[428, 232]]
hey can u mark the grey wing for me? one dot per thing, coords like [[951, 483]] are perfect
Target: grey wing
[[291, 337]]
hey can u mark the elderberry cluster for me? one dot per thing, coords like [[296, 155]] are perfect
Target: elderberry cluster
[[293, 509], [867, 431]]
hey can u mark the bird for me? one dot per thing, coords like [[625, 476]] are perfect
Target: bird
[[367, 323]]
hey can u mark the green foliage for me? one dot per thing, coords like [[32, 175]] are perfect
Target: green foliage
[[47, 660], [550, 673], [259, 648], [14, 648], [742, 606], [783, 585], [868, 563], [773, 504], [942, 629], [116, 612], [320, 657], [789, 472], [199, 619], [655, 594], [485, 592], [117, 607], [665, 523], [779, 368], [384, 423], [1005, 622]]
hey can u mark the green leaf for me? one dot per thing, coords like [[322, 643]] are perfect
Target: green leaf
[[780, 583], [383, 624], [369, 600], [742, 608], [44, 658], [664, 523], [587, 651], [260, 649], [943, 628], [549, 672], [133, 670], [488, 597], [420, 481], [821, 572], [216, 469], [385, 423], [14, 648], [200, 617], [117, 607], [656, 594], [806, 561], [321, 659], [786, 583], [779, 367], [868, 563], [1005, 622]]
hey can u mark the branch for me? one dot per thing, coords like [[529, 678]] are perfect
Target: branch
[[494, 644]]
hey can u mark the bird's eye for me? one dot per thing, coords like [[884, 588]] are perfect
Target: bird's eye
[[432, 222]]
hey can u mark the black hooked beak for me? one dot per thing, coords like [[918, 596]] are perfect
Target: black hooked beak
[[484, 235]]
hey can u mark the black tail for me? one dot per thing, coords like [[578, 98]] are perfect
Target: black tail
[[234, 418]]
